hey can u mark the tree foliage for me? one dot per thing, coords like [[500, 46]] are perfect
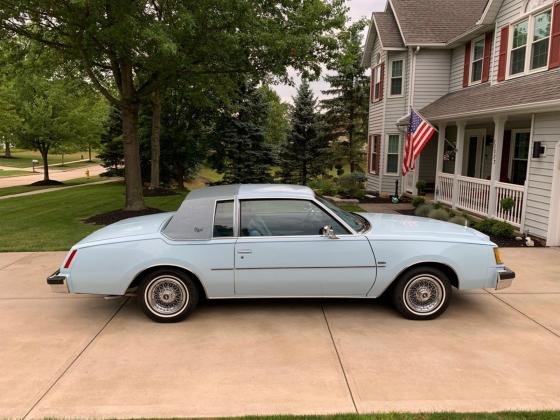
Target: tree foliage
[[240, 149], [346, 108], [277, 122], [306, 152]]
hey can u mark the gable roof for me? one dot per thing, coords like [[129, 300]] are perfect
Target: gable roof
[[388, 30], [535, 90], [425, 22]]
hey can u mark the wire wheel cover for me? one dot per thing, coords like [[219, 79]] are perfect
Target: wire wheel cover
[[167, 295], [424, 294]]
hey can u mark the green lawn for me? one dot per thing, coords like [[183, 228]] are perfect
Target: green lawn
[[22, 158], [6, 173], [509, 415], [26, 188], [52, 221], [354, 208]]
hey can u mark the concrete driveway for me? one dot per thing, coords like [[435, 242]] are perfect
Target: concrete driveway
[[82, 356]]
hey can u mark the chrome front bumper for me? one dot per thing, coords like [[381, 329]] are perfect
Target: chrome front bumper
[[505, 278], [58, 282]]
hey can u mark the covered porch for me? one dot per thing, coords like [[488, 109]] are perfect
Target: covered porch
[[481, 166]]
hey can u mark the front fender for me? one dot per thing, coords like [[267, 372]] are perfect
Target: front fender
[[470, 262]]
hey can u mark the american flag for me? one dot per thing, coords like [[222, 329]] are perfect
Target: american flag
[[418, 135]]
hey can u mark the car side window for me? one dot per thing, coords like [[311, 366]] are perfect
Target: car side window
[[223, 219], [285, 218]]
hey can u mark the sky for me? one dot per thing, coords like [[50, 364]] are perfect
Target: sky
[[358, 9]]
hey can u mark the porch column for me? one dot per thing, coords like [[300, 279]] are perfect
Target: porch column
[[459, 145], [439, 158], [499, 127]]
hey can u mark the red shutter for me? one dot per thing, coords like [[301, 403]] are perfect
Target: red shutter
[[487, 56], [467, 64], [554, 61], [371, 84], [369, 154], [381, 80], [377, 153], [502, 59]]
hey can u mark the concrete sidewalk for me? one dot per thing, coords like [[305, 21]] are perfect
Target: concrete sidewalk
[[54, 174], [84, 356]]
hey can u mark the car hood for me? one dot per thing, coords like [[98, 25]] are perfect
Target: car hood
[[135, 226], [399, 227]]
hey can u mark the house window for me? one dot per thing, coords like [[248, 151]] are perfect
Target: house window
[[377, 83], [520, 156], [392, 154], [535, 4], [477, 60], [530, 43], [396, 77]]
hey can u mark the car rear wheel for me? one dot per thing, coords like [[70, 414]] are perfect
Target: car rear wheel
[[422, 293], [167, 295]]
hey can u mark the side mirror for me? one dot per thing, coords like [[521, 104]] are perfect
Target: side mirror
[[328, 232]]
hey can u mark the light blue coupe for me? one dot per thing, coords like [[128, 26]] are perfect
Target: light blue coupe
[[275, 241]]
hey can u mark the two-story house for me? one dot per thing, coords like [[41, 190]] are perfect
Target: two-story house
[[486, 74]]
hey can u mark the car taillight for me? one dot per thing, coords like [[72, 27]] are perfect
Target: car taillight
[[70, 258]]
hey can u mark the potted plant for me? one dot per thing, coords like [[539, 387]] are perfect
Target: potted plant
[[507, 203], [421, 187]]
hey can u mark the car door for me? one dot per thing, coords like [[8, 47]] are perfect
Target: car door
[[281, 252]]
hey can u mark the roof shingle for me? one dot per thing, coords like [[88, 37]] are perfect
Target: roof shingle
[[527, 90], [388, 30], [436, 21]]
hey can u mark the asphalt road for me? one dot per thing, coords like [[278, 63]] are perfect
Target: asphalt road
[[83, 356]]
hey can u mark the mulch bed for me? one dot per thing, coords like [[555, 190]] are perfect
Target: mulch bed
[[383, 200], [49, 182], [115, 216], [501, 242], [158, 192]]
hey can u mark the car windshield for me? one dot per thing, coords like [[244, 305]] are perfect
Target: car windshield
[[355, 221]]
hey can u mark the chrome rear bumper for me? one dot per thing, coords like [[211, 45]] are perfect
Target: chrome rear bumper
[[505, 278], [58, 282]]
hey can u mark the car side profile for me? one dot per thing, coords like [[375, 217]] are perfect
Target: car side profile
[[279, 241]]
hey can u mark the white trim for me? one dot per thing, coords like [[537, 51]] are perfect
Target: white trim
[[390, 77], [529, 163], [386, 154]]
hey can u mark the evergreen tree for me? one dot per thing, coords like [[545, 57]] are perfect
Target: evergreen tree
[[346, 110], [112, 153], [241, 151], [305, 152]]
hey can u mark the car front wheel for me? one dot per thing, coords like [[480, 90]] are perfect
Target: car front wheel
[[422, 293], [167, 295]]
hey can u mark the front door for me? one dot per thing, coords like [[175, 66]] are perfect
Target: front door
[[520, 156], [281, 252]]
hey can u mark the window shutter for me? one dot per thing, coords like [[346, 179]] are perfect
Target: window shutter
[[369, 154], [554, 61], [487, 56], [377, 153], [467, 64], [371, 84], [502, 60], [381, 80]]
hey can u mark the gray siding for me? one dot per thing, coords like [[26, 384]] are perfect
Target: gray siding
[[457, 63], [433, 69], [547, 131], [375, 123], [510, 10]]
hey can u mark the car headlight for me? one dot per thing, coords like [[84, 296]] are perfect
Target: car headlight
[[497, 256]]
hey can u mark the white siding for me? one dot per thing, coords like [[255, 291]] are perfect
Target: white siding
[[547, 131], [509, 11], [375, 124], [433, 68], [457, 64]]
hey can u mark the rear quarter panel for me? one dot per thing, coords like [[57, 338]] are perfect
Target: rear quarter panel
[[109, 268], [473, 263]]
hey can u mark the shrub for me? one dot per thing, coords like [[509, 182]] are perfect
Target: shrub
[[423, 210], [437, 205], [418, 201], [352, 185], [323, 186], [484, 226], [421, 186], [502, 229], [459, 220], [439, 214], [507, 203]]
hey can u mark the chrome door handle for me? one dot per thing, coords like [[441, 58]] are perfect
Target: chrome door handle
[[244, 251]]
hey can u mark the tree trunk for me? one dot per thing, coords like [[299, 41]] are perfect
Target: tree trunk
[[89, 153], [129, 113], [179, 175], [351, 149], [156, 129], [44, 155], [7, 151]]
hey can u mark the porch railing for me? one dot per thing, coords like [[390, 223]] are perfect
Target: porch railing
[[474, 195]]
